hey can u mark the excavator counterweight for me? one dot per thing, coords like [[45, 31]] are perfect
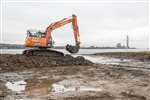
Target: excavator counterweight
[[43, 40]]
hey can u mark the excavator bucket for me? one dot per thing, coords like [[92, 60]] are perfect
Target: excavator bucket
[[72, 49]]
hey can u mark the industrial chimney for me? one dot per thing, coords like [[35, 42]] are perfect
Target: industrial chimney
[[127, 41]]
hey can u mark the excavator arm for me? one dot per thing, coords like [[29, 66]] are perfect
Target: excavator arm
[[58, 24]]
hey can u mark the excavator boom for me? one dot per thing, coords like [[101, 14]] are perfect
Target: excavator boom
[[61, 23]]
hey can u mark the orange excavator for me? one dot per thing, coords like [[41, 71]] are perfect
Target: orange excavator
[[41, 41]]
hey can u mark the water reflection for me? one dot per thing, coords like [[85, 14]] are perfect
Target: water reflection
[[16, 86], [43, 87], [36, 87], [106, 60]]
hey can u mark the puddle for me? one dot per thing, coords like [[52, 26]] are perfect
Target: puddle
[[57, 88], [17, 86], [117, 61], [107, 60], [44, 87]]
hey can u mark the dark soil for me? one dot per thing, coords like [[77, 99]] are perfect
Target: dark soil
[[9, 62]]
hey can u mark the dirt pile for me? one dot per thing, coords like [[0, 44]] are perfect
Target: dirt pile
[[10, 62]]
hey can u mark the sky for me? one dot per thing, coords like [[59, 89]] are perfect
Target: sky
[[100, 23]]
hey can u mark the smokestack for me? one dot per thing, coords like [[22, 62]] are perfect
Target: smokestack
[[127, 41]]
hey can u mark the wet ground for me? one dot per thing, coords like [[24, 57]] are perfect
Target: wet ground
[[103, 80], [142, 56]]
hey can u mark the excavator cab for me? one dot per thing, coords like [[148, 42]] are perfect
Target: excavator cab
[[35, 39], [35, 33]]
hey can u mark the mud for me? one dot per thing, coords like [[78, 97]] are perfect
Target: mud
[[69, 78], [142, 56], [103, 82]]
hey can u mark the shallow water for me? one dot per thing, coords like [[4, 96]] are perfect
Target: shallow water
[[106, 60], [116, 61], [44, 87], [58, 88], [16, 86], [81, 51]]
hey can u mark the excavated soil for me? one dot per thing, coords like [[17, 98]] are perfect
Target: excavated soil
[[9, 62], [74, 78]]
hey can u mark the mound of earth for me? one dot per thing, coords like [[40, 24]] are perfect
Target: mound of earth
[[9, 62]]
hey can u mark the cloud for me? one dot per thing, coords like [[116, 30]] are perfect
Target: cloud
[[101, 24]]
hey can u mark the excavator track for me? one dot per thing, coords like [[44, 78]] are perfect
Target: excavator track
[[42, 52]]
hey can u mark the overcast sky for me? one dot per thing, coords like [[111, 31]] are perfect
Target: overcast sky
[[100, 23]]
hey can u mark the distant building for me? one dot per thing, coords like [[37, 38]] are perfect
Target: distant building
[[118, 45]]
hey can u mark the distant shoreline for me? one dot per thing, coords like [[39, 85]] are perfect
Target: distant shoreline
[[19, 46]]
